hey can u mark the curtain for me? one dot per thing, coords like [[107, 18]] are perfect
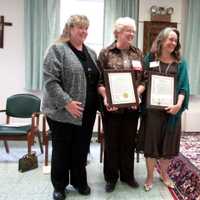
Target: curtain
[[114, 9], [192, 45], [42, 25]]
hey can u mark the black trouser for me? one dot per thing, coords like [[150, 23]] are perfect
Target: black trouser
[[67, 154], [70, 145], [120, 131], [88, 124]]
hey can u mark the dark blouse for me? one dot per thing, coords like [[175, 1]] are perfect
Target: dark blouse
[[92, 76]]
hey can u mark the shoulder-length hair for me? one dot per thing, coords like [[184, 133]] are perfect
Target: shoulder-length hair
[[74, 20], [156, 47]]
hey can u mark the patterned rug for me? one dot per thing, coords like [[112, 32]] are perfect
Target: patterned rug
[[185, 168], [190, 148]]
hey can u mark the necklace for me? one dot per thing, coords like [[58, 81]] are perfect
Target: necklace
[[166, 70], [126, 61]]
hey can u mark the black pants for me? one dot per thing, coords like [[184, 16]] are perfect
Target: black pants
[[88, 124], [120, 131], [70, 146]]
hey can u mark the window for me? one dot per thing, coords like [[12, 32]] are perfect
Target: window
[[94, 10]]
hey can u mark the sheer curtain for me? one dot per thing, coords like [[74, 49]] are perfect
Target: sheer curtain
[[114, 9], [192, 45], [42, 25]]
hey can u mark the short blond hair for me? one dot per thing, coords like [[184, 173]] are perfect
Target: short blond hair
[[123, 22], [78, 20]]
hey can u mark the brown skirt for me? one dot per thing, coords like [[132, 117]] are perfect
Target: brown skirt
[[156, 139]]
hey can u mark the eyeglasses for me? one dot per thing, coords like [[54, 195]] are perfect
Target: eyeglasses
[[130, 31]]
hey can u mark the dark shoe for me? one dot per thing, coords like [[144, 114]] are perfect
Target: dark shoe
[[58, 195], [84, 190], [132, 183], [110, 187]]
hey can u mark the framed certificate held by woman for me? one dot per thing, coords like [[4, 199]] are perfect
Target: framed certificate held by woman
[[120, 88], [161, 90]]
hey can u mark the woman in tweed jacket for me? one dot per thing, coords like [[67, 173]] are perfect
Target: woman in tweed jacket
[[70, 102]]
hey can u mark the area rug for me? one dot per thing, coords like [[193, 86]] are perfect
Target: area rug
[[184, 170], [190, 147]]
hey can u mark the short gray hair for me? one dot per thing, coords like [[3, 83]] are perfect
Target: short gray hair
[[122, 22]]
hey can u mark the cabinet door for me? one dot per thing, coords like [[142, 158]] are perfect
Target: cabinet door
[[151, 30]]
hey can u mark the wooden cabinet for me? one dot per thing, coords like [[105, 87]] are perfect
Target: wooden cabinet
[[151, 30]]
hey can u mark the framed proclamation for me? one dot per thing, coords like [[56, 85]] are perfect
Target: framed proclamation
[[161, 91], [120, 88]]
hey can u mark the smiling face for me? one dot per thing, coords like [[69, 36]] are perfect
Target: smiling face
[[125, 36], [167, 42], [170, 42], [78, 34], [124, 31]]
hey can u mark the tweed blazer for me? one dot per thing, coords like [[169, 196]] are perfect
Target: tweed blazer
[[63, 81]]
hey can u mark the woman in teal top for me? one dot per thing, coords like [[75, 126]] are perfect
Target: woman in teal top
[[160, 129]]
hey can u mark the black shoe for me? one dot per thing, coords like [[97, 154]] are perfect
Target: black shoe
[[132, 183], [84, 190], [110, 187], [57, 195]]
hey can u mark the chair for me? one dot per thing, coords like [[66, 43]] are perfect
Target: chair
[[100, 135], [45, 138], [21, 106]]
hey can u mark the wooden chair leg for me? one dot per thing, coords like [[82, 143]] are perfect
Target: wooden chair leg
[[46, 152], [137, 157], [45, 138], [100, 137], [101, 149], [6, 146], [29, 146], [30, 141], [40, 142]]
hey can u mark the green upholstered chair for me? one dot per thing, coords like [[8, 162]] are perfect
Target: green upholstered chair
[[21, 106]]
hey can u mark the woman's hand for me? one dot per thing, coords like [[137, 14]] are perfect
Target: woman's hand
[[109, 108], [173, 109], [135, 107], [75, 108]]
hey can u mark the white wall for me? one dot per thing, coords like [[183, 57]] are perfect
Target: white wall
[[190, 118], [12, 69]]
